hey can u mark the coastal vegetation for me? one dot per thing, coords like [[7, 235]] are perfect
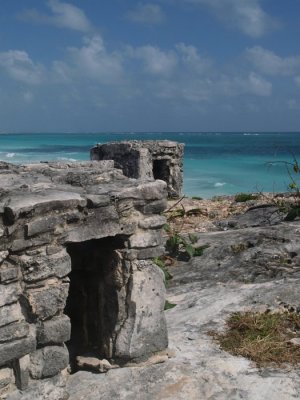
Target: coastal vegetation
[[265, 338], [243, 197]]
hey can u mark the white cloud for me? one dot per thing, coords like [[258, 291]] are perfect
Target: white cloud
[[270, 63], [28, 97], [146, 14], [191, 58], [257, 85], [20, 67], [246, 15], [93, 61], [64, 15], [252, 84], [293, 104], [297, 80], [156, 61]]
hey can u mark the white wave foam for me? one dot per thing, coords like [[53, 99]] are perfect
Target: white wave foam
[[219, 184], [10, 155], [66, 159]]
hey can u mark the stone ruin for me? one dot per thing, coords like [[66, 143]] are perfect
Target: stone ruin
[[76, 276], [147, 159]]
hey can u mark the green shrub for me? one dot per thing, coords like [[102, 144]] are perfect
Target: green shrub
[[242, 197]]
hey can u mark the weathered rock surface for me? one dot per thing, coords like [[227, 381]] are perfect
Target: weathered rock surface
[[75, 244], [244, 269], [146, 159]]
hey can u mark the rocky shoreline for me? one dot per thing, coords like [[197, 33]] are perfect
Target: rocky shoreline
[[66, 226]]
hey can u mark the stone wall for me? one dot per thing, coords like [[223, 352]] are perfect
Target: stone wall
[[86, 225], [146, 160]]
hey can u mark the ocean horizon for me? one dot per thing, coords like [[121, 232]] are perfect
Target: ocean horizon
[[215, 163]]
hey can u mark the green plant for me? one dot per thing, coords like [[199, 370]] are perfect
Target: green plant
[[193, 212], [169, 305], [197, 198], [242, 197], [292, 209], [161, 264], [177, 243]]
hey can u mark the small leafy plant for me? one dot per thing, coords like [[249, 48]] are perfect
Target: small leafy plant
[[177, 244], [243, 197], [169, 305], [159, 261], [291, 209]]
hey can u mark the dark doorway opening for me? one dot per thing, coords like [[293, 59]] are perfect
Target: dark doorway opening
[[92, 305], [161, 170]]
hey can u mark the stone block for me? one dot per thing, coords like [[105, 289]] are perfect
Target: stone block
[[22, 244], [10, 313], [145, 330], [9, 293], [14, 331], [6, 377], [101, 222], [148, 191], [47, 301], [21, 368], [153, 222], [41, 225], [38, 203], [55, 331], [94, 200], [48, 361], [151, 252], [155, 207], [17, 349], [8, 273], [44, 389], [41, 266], [3, 255], [144, 239]]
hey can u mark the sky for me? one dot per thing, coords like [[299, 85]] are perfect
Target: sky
[[161, 65]]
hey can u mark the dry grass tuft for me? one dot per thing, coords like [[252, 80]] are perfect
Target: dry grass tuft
[[263, 337]]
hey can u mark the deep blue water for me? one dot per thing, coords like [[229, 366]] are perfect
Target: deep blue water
[[214, 163]]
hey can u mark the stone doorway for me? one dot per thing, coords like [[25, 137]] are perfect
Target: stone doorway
[[161, 170], [96, 279]]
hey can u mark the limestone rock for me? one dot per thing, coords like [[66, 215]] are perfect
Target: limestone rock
[[144, 239], [48, 301], [48, 361], [10, 313], [14, 331], [55, 331], [144, 331], [42, 266], [6, 377], [9, 293], [262, 215], [94, 364], [45, 389], [154, 222], [39, 203], [16, 349]]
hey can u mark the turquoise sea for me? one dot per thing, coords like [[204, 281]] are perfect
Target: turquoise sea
[[214, 163]]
